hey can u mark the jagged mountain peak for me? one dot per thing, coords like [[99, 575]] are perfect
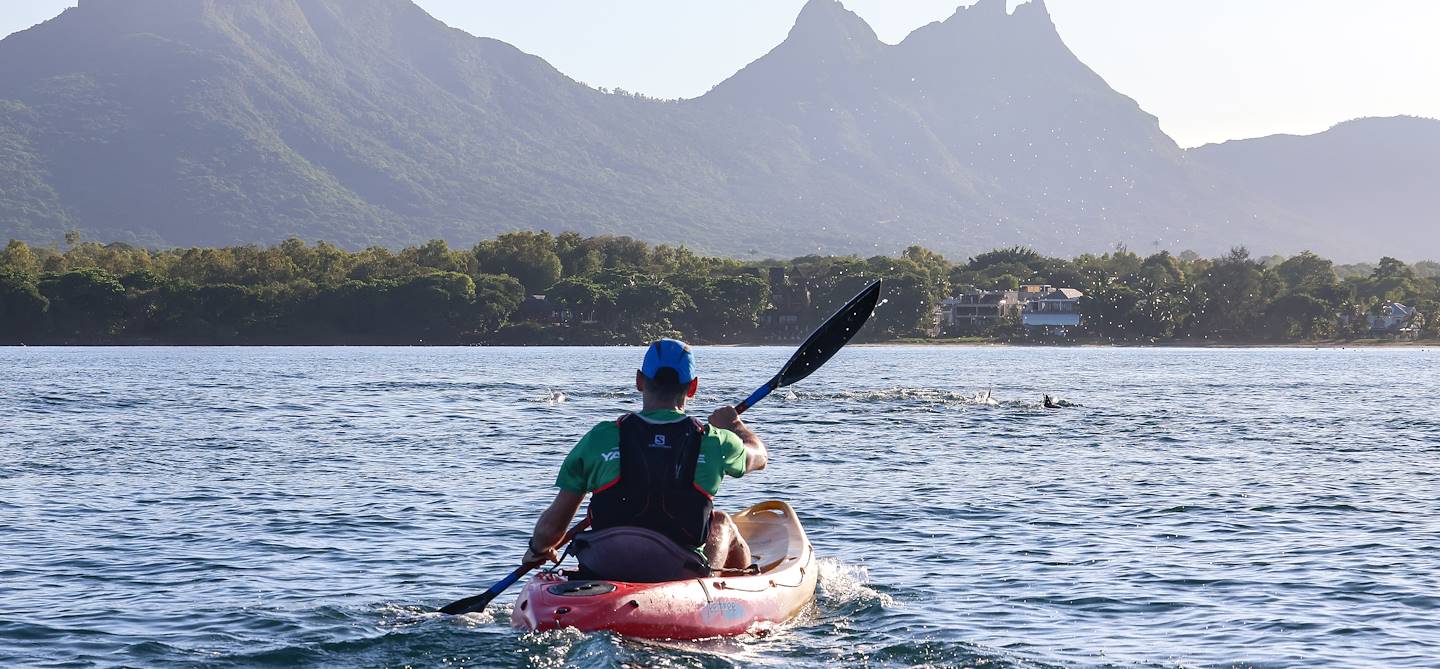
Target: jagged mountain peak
[[997, 8], [986, 8], [820, 8], [1035, 12], [828, 21], [827, 39], [988, 22]]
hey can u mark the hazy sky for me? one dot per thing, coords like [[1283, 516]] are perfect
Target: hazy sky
[[1210, 69]]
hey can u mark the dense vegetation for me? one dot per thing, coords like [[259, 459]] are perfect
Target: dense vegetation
[[603, 290], [599, 290], [1235, 297]]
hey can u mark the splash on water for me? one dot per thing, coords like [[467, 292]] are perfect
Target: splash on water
[[909, 396], [845, 585], [395, 616], [558, 648]]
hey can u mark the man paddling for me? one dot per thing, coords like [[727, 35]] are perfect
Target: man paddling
[[652, 477]]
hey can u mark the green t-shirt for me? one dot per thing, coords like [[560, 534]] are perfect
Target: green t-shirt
[[595, 461]]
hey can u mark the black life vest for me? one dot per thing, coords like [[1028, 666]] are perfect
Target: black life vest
[[656, 489]]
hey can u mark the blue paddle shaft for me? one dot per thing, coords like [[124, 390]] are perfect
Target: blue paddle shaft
[[506, 582], [479, 602], [760, 394]]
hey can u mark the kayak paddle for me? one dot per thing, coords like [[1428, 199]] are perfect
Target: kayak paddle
[[477, 603], [823, 344]]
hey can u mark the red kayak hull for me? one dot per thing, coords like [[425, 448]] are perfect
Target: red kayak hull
[[693, 608]]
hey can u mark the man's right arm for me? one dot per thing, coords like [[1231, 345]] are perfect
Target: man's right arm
[[574, 483], [550, 529]]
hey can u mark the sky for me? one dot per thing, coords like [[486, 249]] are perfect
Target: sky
[[1211, 70]]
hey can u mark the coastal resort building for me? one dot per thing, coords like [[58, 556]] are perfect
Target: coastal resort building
[[1396, 320], [977, 312], [1041, 309], [1055, 313]]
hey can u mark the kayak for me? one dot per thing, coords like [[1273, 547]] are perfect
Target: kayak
[[698, 608]]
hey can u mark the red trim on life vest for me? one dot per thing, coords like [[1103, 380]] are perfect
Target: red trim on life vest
[[704, 492], [608, 486]]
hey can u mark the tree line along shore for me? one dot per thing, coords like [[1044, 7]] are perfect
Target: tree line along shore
[[529, 288]]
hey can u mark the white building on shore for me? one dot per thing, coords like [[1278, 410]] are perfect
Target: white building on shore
[[1055, 313]]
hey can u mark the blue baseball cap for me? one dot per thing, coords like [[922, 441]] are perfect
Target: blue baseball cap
[[671, 353]]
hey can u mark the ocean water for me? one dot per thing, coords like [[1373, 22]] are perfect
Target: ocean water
[[272, 507]]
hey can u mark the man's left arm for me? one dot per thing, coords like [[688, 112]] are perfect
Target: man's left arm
[[756, 455]]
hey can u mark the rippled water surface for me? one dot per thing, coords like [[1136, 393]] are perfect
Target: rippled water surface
[[308, 507]]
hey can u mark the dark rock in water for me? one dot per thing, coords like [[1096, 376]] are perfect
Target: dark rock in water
[[1053, 403]]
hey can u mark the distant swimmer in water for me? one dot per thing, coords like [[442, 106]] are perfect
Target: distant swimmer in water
[[1052, 403], [556, 397]]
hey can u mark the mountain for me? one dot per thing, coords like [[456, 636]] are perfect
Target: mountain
[[203, 122], [1369, 186], [358, 121], [980, 131]]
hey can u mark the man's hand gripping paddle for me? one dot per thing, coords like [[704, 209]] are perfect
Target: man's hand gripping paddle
[[823, 344], [478, 602]]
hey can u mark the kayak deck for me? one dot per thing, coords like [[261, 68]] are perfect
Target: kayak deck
[[693, 608]]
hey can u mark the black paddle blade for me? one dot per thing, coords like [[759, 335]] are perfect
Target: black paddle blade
[[828, 339], [468, 605]]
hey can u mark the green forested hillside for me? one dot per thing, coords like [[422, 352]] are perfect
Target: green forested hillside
[[221, 122], [185, 122]]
